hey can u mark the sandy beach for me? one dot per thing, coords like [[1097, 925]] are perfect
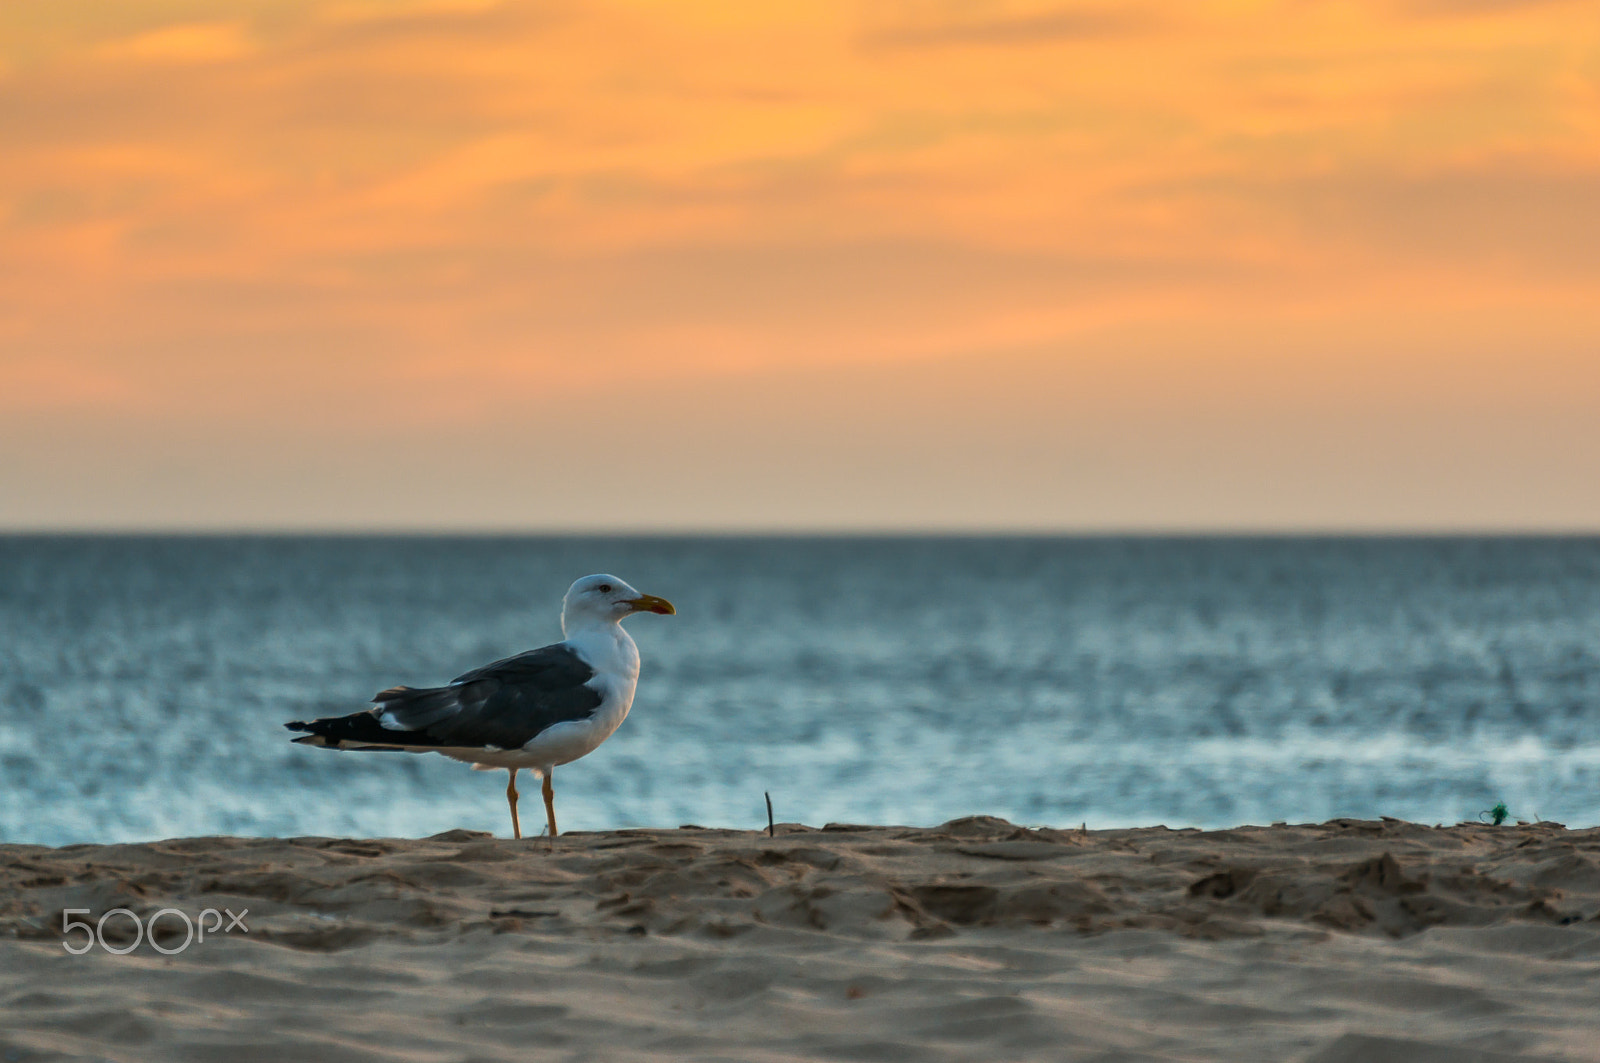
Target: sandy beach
[[1351, 940]]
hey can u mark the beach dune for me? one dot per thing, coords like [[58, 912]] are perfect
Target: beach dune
[[1351, 940]]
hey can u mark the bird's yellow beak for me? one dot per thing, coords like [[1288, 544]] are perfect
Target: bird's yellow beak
[[649, 603]]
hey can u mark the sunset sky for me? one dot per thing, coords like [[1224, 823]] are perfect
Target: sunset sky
[[459, 264]]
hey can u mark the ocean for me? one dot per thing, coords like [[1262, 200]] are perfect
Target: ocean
[[1114, 681]]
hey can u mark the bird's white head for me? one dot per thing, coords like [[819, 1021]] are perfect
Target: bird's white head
[[603, 599]]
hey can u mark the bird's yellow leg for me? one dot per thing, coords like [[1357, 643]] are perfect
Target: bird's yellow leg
[[511, 799], [550, 801]]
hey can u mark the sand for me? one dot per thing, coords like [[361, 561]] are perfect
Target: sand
[[1377, 942]]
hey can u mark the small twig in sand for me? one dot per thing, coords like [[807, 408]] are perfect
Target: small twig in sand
[[772, 831]]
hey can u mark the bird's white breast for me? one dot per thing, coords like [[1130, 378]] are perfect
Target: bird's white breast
[[609, 650], [615, 659]]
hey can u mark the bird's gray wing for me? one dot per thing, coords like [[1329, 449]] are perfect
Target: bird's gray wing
[[505, 704]]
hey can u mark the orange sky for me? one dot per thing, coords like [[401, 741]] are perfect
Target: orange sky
[[467, 264]]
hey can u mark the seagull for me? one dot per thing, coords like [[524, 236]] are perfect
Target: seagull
[[536, 710]]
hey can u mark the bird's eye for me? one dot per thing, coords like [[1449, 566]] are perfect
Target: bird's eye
[[604, 588]]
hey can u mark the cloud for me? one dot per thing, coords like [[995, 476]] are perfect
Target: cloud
[[1483, 7], [194, 42], [34, 385], [1528, 218], [1042, 28]]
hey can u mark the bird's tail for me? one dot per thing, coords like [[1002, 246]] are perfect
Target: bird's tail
[[361, 730]]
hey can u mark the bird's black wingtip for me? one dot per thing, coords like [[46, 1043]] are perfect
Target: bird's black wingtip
[[298, 725]]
